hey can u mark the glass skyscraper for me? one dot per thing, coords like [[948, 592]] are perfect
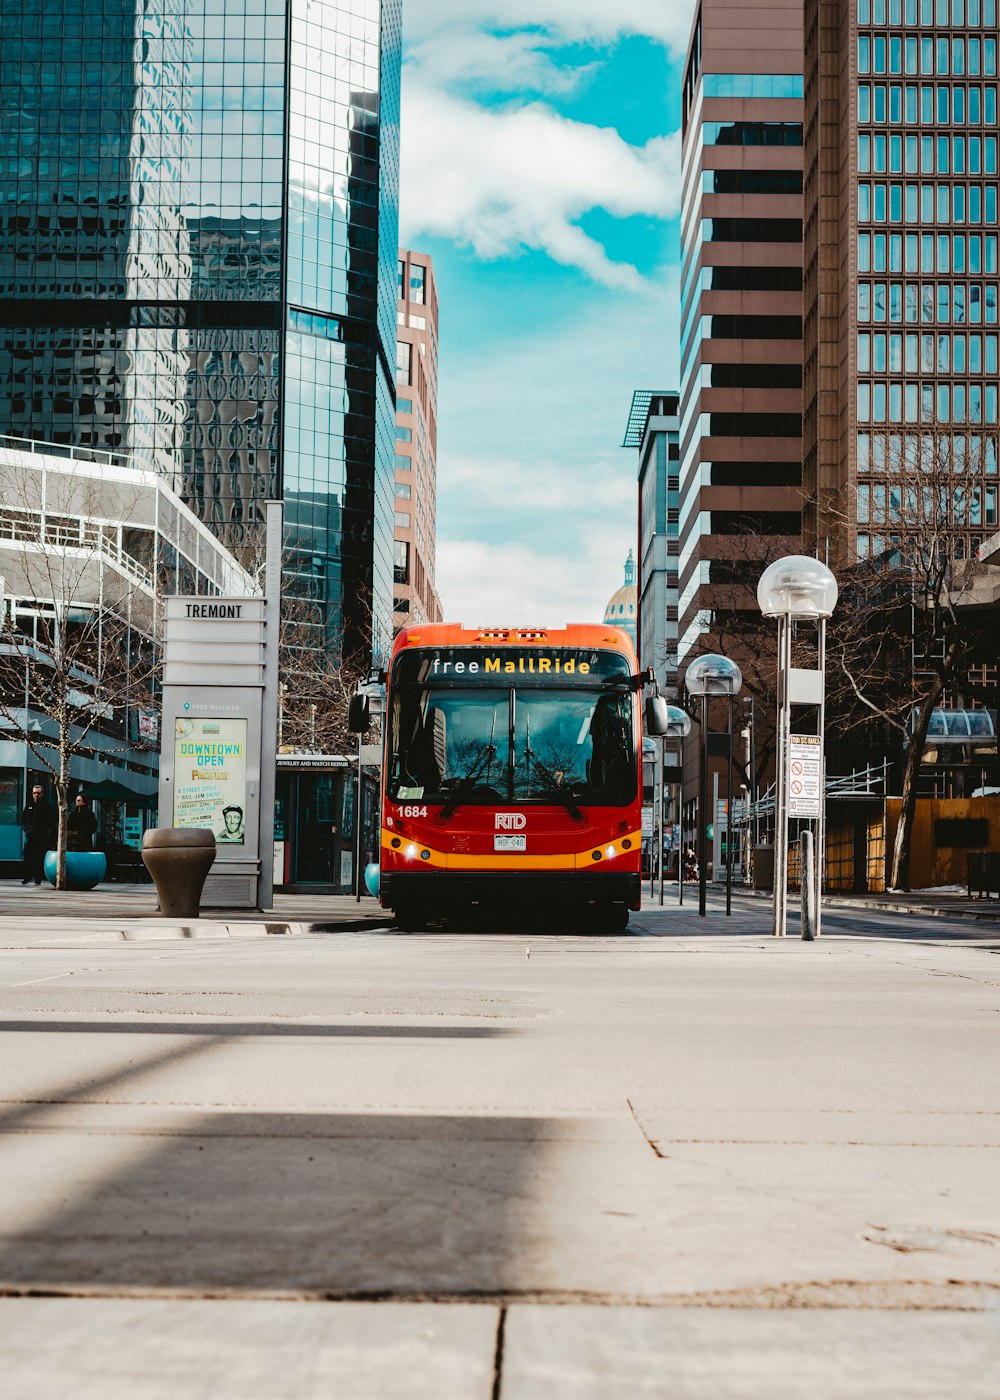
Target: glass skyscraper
[[198, 234]]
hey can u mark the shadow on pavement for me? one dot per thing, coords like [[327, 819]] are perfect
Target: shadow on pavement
[[323, 1203], [222, 1030], [105, 1193]]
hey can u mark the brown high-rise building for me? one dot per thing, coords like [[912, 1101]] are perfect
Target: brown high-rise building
[[415, 597], [741, 306], [900, 260]]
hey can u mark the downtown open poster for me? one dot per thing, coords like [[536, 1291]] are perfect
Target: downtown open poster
[[210, 776]]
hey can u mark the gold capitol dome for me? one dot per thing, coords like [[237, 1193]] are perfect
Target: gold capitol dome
[[621, 609]]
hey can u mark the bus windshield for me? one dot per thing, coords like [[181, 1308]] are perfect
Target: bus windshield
[[479, 744]]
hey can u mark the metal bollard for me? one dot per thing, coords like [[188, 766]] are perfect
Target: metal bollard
[[807, 886]]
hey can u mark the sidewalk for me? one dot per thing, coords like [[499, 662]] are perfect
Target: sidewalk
[[130, 913], [947, 904]]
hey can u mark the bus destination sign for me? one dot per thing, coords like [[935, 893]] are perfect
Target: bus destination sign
[[510, 666]]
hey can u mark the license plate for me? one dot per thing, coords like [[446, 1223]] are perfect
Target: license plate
[[510, 843]]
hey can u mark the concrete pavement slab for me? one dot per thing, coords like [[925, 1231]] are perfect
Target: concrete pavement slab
[[601, 1353], [711, 1120], [97, 1349]]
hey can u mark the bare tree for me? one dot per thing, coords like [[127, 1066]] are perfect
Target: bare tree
[[78, 623], [318, 675], [906, 631], [906, 628], [317, 682], [738, 630]]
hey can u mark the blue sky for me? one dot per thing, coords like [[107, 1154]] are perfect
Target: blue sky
[[540, 169]]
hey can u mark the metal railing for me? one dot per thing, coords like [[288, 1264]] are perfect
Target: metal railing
[[98, 455], [35, 528]]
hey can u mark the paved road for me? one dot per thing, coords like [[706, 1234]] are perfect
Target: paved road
[[691, 1161]]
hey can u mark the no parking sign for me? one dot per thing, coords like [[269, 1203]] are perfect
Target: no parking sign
[[805, 770]]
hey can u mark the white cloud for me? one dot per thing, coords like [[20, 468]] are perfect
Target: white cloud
[[530, 494], [512, 585], [503, 180], [668, 21], [475, 58]]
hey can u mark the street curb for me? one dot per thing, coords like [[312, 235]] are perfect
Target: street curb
[[917, 909], [882, 907], [243, 928]]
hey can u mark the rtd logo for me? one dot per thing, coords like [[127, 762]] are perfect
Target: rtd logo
[[511, 821]]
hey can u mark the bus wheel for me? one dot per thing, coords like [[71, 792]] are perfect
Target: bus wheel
[[410, 918], [608, 918]]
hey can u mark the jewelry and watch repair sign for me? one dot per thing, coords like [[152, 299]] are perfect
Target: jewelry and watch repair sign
[[805, 775]]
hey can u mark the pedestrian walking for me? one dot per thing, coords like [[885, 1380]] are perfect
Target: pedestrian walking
[[38, 826], [82, 826]]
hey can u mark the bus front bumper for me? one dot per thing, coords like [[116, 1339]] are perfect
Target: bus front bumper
[[511, 889]]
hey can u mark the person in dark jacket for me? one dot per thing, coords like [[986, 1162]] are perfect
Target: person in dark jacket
[[38, 825], [82, 826]]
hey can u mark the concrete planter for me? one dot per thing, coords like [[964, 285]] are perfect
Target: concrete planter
[[84, 869], [179, 859]]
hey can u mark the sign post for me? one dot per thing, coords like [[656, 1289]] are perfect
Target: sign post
[[794, 590], [273, 522], [220, 707]]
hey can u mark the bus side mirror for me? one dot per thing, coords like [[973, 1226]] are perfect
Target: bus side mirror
[[657, 716], [358, 714]]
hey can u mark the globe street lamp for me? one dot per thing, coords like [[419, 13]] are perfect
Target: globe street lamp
[[798, 589], [708, 676], [678, 728]]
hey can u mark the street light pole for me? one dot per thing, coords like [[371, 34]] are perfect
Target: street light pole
[[659, 829], [729, 813], [703, 808], [678, 727], [819, 856], [752, 833], [708, 676], [780, 904]]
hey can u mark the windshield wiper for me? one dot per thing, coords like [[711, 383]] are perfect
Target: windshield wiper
[[464, 784], [551, 781]]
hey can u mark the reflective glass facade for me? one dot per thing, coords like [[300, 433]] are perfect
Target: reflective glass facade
[[193, 198]]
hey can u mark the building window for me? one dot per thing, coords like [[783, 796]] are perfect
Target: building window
[[404, 362], [404, 405], [404, 434], [418, 275], [401, 561]]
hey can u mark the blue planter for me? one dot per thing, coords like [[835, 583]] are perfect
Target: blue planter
[[84, 869], [371, 879]]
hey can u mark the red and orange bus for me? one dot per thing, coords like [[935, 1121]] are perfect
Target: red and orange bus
[[512, 774]]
